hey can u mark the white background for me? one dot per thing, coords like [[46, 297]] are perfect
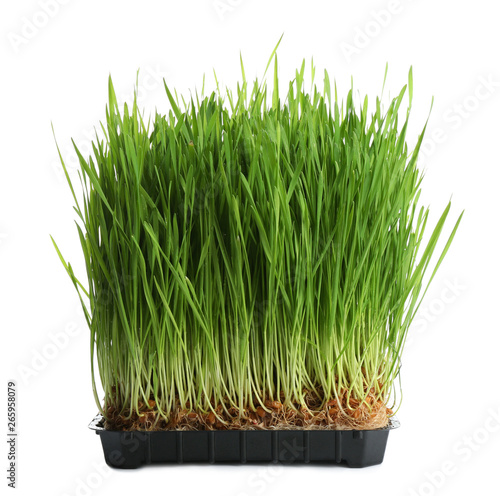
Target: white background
[[55, 68]]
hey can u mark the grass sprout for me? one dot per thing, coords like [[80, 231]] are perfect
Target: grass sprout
[[252, 254]]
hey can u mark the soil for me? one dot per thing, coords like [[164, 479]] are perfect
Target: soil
[[343, 413]]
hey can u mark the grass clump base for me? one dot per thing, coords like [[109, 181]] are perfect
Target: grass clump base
[[252, 261], [312, 413]]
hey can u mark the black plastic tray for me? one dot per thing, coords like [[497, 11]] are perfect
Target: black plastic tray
[[357, 449]]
